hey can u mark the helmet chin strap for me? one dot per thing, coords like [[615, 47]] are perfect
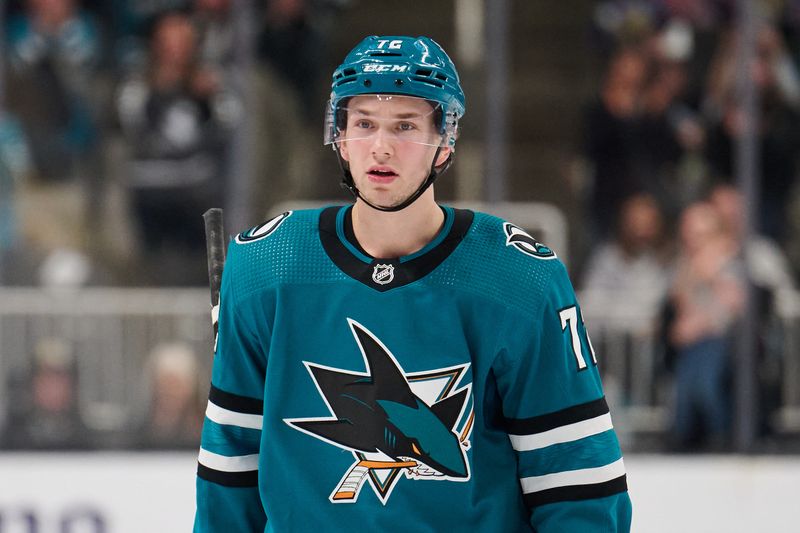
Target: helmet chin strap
[[349, 184]]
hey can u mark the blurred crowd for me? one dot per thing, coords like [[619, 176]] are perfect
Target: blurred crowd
[[660, 141], [51, 409], [118, 127], [118, 123]]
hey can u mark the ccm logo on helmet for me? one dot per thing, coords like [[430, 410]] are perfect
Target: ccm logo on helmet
[[378, 67], [394, 45]]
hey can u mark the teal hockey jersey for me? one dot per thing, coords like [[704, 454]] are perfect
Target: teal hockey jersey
[[454, 389]]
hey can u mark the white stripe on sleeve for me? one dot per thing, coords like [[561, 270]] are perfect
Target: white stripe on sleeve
[[568, 433], [223, 463], [225, 417], [587, 476]]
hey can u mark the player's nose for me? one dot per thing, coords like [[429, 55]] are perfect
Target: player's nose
[[382, 145]]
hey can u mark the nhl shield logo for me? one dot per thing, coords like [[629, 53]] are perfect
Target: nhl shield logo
[[383, 274]]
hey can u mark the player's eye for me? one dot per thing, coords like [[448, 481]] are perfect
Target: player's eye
[[406, 126], [363, 124]]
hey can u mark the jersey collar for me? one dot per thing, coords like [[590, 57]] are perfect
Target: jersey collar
[[383, 274]]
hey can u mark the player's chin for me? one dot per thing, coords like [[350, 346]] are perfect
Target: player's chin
[[382, 201], [382, 195]]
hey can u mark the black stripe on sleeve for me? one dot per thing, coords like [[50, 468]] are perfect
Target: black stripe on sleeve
[[228, 479], [234, 402], [577, 492], [539, 424]]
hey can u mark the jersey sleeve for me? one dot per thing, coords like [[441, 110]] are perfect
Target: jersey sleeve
[[570, 465], [227, 473]]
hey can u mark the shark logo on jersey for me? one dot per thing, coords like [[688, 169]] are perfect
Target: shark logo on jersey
[[262, 230], [393, 422], [383, 274], [522, 241]]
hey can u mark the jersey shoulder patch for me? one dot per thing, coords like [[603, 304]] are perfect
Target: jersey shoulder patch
[[513, 237], [263, 230], [522, 241]]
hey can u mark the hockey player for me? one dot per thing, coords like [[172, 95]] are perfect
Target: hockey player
[[397, 365]]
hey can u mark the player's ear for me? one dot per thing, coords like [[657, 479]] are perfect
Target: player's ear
[[343, 151], [444, 153]]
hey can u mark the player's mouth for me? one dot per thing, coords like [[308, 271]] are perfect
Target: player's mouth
[[382, 174]]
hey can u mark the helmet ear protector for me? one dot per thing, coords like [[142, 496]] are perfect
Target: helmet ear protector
[[404, 66]]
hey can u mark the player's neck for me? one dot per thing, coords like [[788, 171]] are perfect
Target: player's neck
[[395, 234]]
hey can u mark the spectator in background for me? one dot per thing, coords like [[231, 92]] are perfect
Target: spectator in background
[[707, 296], [129, 22], [53, 53], [669, 132], [47, 416], [175, 418], [623, 289], [611, 139], [629, 275], [176, 121]]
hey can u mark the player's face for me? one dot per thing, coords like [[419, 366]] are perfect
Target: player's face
[[390, 143]]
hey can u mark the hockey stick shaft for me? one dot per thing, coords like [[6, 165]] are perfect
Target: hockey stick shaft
[[215, 252]]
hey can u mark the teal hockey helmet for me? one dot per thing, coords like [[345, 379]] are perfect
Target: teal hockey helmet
[[387, 66], [398, 65]]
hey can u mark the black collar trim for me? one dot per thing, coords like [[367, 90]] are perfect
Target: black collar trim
[[387, 273]]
